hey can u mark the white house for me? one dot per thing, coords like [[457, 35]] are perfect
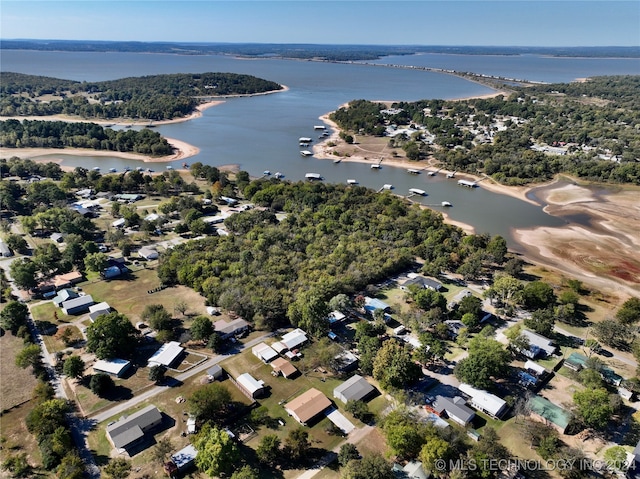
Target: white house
[[148, 253], [114, 367], [166, 355], [293, 339], [264, 352], [484, 401]]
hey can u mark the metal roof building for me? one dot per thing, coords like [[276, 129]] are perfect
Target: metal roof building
[[355, 388], [166, 355], [130, 430], [484, 401]]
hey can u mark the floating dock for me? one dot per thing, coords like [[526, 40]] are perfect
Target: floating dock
[[416, 191], [313, 176], [376, 166], [446, 203], [306, 153], [412, 171], [468, 184], [352, 182]]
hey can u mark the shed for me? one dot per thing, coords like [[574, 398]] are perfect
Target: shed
[[119, 223], [575, 361], [5, 250], [484, 401], [111, 272], [77, 305], [114, 367], [294, 339], [215, 372], [307, 406], [337, 418], [355, 388], [184, 458], [284, 367], [148, 253], [346, 361], [264, 352], [455, 408], [128, 431], [104, 306], [166, 355], [537, 369], [251, 385], [549, 413]]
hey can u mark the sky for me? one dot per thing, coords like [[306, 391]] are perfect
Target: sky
[[360, 22]]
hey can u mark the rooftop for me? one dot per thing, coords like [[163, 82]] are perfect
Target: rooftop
[[549, 411], [308, 405], [353, 389]]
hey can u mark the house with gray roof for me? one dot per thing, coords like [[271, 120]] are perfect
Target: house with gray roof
[[354, 389], [455, 408], [77, 305], [130, 431], [64, 295]]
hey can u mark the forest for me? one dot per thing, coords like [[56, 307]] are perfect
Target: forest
[[153, 97], [334, 239], [595, 123], [313, 51]]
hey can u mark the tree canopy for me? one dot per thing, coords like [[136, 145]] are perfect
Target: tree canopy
[[111, 336]]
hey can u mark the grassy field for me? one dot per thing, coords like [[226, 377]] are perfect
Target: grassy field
[[16, 384]]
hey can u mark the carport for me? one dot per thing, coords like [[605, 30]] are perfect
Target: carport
[[337, 418]]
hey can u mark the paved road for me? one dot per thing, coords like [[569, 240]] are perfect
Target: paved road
[[119, 408]]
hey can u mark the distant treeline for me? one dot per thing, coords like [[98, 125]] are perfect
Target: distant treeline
[[596, 121], [61, 134], [310, 51], [155, 97]]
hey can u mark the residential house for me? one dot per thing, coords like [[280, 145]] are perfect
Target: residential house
[[68, 279], [77, 305], [114, 367], [307, 406], [229, 329], [538, 345], [484, 401], [167, 355], [371, 304], [549, 413], [64, 295], [264, 352], [98, 310], [294, 339], [130, 431], [346, 361], [250, 385], [422, 282], [148, 253], [284, 367], [411, 470], [455, 409], [355, 388], [576, 361]]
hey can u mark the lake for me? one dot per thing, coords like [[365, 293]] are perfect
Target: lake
[[261, 133]]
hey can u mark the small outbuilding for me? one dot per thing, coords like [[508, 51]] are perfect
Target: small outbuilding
[[215, 372], [264, 352], [250, 385], [549, 413], [354, 389]]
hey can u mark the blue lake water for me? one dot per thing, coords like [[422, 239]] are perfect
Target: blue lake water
[[261, 133]]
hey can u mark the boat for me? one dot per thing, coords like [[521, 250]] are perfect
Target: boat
[[416, 191], [377, 166], [413, 171], [169, 167], [96, 168], [127, 168], [304, 139], [266, 173], [278, 175], [337, 160], [139, 168], [304, 144], [313, 176], [112, 170], [446, 203], [432, 173], [387, 186], [319, 127], [352, 182], [306, 153]]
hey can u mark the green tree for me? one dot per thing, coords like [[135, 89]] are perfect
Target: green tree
[[393, 366], [404, 439], [29, 356], [629, 312], [201, 328], [17, 465], [616, 458], [217, 452], [268, 451], [46, 417], [435, 448], [506, 289], [118, 468], [111, 336], [210, 402], [161, 451], [96, 261], [593, 407], [348, 452], [245, 472], [497, 249], [17, 243], [612, 333], [100, 384], [340, 302], [541, 321], [372, 466], [157, 373], [538, 295], [359, 409], [73, 367], [23, 271], [157, 317], [71, 467], [297, 443], [487, 358], [14, 315]]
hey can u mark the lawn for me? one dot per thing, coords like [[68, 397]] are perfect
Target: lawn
[[16, 438]]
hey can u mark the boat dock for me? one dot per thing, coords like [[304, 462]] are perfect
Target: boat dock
[[452, 174], [416, 192], [313, 176], [352, 182], [468, 184], [306, 153]]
